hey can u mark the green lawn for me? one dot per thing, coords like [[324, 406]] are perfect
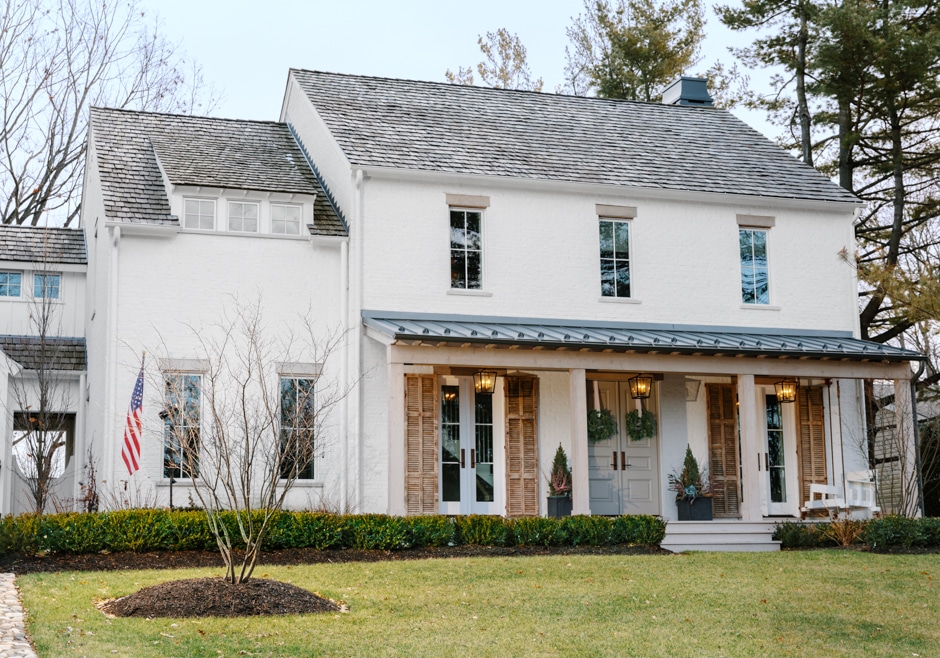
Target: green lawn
[[832, 603]]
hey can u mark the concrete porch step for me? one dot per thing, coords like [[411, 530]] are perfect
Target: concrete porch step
[[740, 536]]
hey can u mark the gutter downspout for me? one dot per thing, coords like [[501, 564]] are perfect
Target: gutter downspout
[[111, 342], [344, 376]]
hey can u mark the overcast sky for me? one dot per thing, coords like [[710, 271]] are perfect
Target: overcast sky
[[246, 47]]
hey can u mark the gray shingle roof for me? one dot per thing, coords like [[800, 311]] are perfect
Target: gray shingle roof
[[642, 339], [58, 353], [474, 130], [32, 244], [247, 155]]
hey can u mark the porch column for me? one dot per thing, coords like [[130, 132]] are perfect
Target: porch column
[[907, 448], [396, 437], [580, 493], [750, 449]]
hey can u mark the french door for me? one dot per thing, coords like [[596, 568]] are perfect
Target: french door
[[623, 475], [471, 449], [778, 464]]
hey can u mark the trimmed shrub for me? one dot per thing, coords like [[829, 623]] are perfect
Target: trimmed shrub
[[375, 531], [431, 531], [538, 531], [638, 530], [484, 530], [792, 534], [895, 531], [588, 530]]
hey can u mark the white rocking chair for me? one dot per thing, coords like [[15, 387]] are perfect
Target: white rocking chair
[[830, 498], [860, 493]]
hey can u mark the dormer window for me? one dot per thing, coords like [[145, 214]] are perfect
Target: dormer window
[[10, 284], [243, 217], [46, 286], [199, 214], [285, 219]]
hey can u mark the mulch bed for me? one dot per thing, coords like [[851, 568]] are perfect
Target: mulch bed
[[217, 597], [23, 564]]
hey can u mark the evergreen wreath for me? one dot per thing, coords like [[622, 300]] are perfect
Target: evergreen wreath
[[601, 425], [641, 425]]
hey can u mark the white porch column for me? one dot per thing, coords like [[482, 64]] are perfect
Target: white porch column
[[580, 493], [396, 436], [907, 447], [750, 449]]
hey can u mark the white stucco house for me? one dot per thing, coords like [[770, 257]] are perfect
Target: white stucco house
[[559, 245]]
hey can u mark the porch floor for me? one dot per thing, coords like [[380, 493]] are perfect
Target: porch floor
[[718, 535]]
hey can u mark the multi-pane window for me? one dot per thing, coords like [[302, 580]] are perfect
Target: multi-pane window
[[199, 213], [466, 249], [46, 286], [755, 287], [285, 220], [298, 421], [450, 443], [10, 284], [615, 258], [243, 216], [181, 425]]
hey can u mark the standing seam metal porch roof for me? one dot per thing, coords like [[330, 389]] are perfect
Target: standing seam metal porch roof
[[447, 128], [512, 331]]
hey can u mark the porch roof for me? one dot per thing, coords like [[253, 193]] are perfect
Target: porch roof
[[641, 338]]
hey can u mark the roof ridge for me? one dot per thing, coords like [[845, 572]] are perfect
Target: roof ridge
[[177, 115]]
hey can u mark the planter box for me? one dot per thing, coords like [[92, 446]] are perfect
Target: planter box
[[559, 506], [700, 510]]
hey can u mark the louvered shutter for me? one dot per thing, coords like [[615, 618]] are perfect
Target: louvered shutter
[[723, 450], [812, 438], [421, 439], [522, 467]]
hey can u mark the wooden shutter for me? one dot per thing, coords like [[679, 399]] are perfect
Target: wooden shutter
[[812, 438], [522, 458], [723, 450], [421, 439]]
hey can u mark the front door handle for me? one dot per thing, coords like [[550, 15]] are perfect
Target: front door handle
[[613, 464], [623, 461], [473, 458], [463, 458]]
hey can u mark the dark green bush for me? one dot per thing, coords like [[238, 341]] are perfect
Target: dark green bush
[[431, 531], [640, 530], [895, 531], [538, 531], [792, 534], [375, 531], [484, 530], [588, 530]]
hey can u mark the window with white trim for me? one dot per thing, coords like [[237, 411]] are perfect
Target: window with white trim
[[466, 249], [298, 422], [46, 286], [199, 214], [755, 282], [243, 216], [181, 420], [11, 284], [285, 219], [614, 239]]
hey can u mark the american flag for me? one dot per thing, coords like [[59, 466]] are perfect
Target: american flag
[[130, 452]]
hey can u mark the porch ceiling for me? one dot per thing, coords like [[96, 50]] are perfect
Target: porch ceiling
[[508, 332]]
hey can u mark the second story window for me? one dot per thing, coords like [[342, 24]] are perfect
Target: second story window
[[46, 286], [243, 217], [755, 285], [615, 258], [466, 249], [11, 284], [285, 220], [199, 214]]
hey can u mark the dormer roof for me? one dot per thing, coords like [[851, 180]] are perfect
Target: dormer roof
[[136, 149]]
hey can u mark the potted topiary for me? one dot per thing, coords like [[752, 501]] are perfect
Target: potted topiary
[[559, 486], [693, 494]]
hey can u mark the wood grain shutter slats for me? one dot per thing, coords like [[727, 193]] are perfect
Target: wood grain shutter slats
[[522, 468], [421, 444], [723, 450], [812, 438]]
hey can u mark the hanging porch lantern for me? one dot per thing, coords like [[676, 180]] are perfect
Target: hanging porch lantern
[[640, 387], [484, 382], [786, 390]]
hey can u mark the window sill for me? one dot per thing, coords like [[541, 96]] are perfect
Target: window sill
[[245, 234], [304, 484], [460, 292], [165, 483], [619, 300], [759, 307]]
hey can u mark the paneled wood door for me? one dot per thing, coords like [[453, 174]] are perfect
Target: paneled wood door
[[623, 475]]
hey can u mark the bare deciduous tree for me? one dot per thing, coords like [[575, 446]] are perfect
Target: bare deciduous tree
[[58, 58], [246, 427], [505, 67]]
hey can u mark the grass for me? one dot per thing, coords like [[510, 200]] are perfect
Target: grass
[[833, 603]]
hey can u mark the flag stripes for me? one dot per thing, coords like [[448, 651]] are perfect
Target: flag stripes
[[130, 451]]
